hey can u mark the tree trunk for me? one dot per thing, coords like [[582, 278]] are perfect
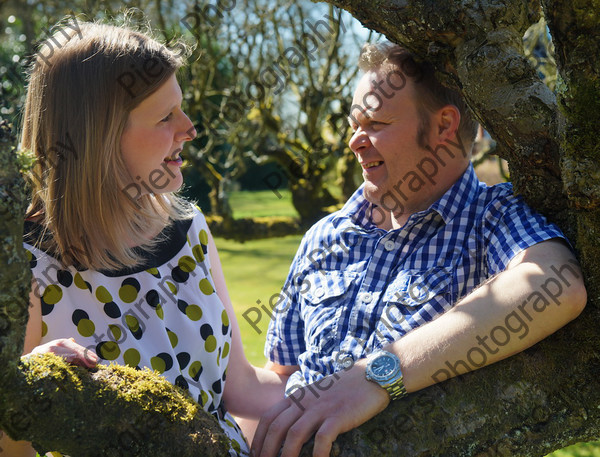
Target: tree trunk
[[546, 397], [115, 411]]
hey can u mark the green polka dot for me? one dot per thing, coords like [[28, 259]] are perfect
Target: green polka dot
[[159, 311], [187, 263], [44, 329], [203, 237], [131, 357], [194, 312], [29, 255], [195, 369], [86, 327], [206, 287], [158, 364], [204, 397], [172, 287], [132, 323], [172, 338], [103, 295], [116, 331], [153, 271], [128, 293], [198, 253], [79, 281], [236, 446], [108, 350], [225, 350], [52, 294], [225, 318], [210, 344]]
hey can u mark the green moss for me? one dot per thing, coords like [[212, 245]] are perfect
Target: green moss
[[131, 412]]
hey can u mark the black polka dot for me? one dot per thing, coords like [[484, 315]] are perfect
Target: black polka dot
[[131, 282], [182, 305], [216, 387], [167, 359], [64, 278], [206, 331], [112, 310], [181, 382], [224, 329], [79, 314], [183, 358], [153, 298], [179, 275], [46, 308]]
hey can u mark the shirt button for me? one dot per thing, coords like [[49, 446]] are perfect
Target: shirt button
[[389, 245], [319, 292], [366, 297]]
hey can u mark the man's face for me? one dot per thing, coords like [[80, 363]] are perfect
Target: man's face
[[385, 120]]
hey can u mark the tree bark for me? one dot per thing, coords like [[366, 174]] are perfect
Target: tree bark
[[546, 397], [114, 411]]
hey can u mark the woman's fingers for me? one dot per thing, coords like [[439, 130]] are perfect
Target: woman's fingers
[[68, 349]]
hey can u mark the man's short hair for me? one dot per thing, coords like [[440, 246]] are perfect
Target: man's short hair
[[431, 94]]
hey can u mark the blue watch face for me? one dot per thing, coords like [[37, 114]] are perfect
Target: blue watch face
[[383, 366]]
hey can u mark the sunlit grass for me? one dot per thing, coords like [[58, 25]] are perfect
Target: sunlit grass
[[262, 203]]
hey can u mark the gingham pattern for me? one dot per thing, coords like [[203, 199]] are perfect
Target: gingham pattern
[[353, 287]]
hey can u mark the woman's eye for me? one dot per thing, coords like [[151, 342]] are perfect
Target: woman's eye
[[167, 118]]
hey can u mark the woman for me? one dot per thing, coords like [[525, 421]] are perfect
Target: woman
[[124, 270]]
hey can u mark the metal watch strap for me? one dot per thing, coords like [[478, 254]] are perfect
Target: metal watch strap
[[396, 390]]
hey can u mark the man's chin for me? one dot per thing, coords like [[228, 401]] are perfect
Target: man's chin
[[372, 194]]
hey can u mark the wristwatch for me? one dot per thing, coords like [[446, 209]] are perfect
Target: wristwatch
[[384, 368]]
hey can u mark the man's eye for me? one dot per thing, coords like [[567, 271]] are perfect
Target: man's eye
[[167, 118]]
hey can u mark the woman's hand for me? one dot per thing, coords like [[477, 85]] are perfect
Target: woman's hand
[[69, 350]]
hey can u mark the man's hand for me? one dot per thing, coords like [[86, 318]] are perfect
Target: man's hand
[[326, 408]]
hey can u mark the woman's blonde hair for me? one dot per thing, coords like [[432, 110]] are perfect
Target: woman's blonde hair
[[85, 80]]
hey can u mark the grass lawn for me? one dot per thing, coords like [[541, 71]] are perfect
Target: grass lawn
[[255, 271], [262, 203]]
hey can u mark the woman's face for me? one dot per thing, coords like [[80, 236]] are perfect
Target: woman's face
[[153, 139]]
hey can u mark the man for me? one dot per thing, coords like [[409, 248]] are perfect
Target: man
[[424, 262]]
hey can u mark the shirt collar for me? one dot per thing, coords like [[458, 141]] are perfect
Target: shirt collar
[[462, 192], [458, 196]]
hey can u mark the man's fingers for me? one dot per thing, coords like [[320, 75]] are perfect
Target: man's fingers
[[265, 423], [325, 436], [300, 432], [278, 429]]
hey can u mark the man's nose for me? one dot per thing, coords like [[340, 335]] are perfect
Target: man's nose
[[359, 140]]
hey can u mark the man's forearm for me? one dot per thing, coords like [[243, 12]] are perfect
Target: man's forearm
[[511, 312]]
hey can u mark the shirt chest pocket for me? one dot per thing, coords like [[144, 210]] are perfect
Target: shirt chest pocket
[[323, 301], [415, 288]]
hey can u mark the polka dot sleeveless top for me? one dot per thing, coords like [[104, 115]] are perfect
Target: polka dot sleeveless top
[[164, 314]]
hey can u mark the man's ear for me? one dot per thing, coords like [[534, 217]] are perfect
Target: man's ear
[[447, 120]]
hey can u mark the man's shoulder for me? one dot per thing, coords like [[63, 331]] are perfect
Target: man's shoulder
[[500, 192]]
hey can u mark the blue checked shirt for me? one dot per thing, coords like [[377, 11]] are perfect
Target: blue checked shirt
[[353, 287]]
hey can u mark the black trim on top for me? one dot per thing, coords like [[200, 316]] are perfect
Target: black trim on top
[[172, 240]]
